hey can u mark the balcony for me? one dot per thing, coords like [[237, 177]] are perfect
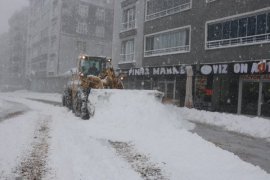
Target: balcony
[[164, 51], [209, 1], [241, 41], [170, 11], [127, 58], [128, 26]]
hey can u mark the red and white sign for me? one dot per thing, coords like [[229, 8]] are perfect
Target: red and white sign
[[262, 66]]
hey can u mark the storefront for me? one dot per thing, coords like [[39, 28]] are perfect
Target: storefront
[[216, 93], [242, 88], [170, 80], [255, 95]]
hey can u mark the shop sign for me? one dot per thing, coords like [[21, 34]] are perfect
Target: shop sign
[[209, 92], [266, 77], [236, 68], [262, 66], [251, 77], [256, 77], [214, 69], [155, 71]]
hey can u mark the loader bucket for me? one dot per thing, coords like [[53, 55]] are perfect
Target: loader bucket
[[99, 97]]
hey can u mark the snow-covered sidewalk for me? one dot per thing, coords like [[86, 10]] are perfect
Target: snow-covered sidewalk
[[257, 127]]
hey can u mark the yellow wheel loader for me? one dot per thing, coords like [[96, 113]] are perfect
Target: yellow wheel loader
[[91, 73]]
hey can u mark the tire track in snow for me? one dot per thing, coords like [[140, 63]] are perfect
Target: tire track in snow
[[46, 101], [12, 115], [15, 109], [139, 162], [33, 166]]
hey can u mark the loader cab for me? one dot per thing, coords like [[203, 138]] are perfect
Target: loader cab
[[89, 65]]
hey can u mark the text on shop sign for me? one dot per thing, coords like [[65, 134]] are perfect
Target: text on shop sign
[[175, 70], [237, 68]]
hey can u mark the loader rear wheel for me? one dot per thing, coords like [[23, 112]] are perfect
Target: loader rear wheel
[[84, 99], [84, 111], [77, 106], [85, 116]]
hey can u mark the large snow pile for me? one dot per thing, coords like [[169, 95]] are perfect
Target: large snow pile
[[251, 126], [136, 109]]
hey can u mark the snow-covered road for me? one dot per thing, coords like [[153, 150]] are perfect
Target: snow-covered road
[[127, 135], [10, 109], [253, 150]]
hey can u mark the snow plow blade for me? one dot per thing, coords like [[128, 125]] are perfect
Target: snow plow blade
[[99, 97]]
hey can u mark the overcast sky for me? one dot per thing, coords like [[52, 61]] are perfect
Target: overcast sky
[[7, 8]]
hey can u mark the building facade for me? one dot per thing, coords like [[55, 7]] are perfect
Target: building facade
[[4, 59], [18, 44], [127, 34], [61, 30], [227, 48]]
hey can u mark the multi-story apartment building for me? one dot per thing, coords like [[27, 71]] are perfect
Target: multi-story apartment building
[[61, 30], [225, 42], [128, 34], [17, 41], [5, 55]]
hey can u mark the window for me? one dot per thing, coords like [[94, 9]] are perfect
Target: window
[[81, 46], [100, 31], [215, 31], [100, 49], [246, 30], [243, 27], [90, 66], [268, 23], [211, 34], [83, 10], [251, 26], [53, 42], [170, 42], [261, 24], [127, 51], [51, 73], [81, 28], [100, 14], [128, 19], [160, 8], [226, 30]]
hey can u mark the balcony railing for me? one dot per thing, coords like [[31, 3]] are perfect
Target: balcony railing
[[128, 25], [170, 11], [241, 41], [208, 1], [126, 58], [177, 49]]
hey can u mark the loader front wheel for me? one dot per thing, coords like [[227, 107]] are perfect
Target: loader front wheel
[[77, 106]]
